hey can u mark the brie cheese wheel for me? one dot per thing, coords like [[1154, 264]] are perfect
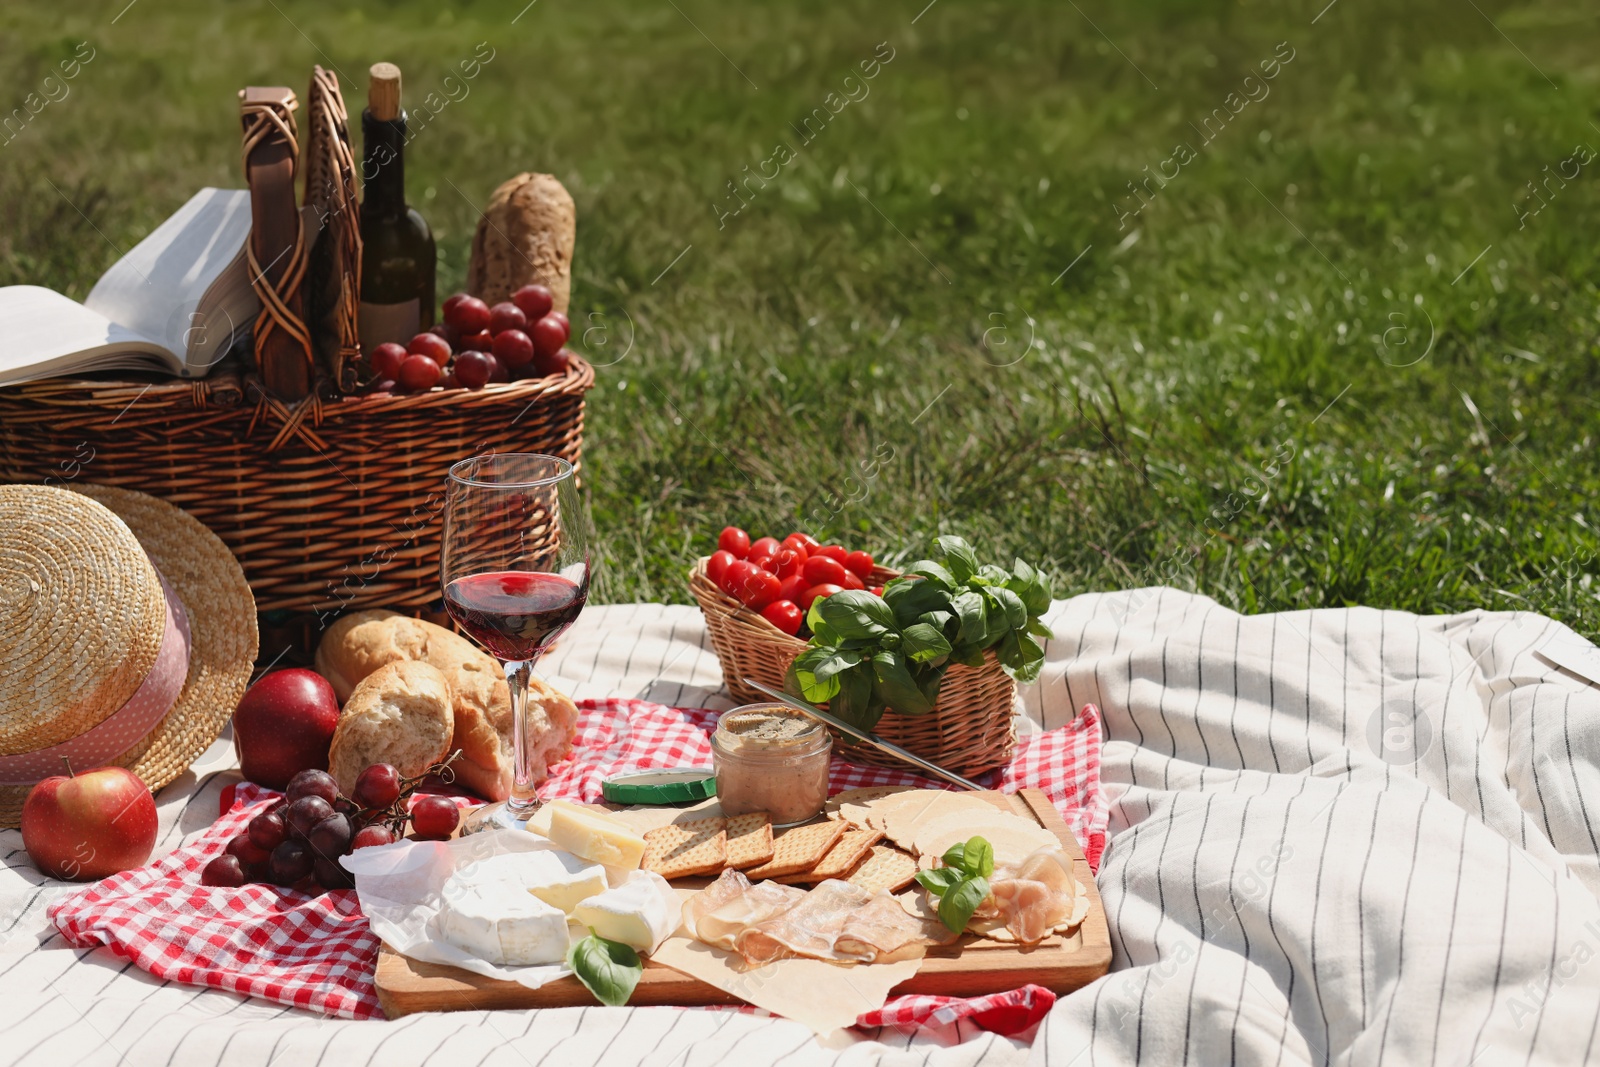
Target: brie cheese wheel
[[500, 921], [558, 878], [641, 912]]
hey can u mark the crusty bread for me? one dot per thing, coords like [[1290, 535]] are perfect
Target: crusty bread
[[399, 714], [364, 641]]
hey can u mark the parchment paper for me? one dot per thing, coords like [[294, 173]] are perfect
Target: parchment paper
[[824, 996]]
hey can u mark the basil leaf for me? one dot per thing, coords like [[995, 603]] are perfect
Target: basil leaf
[[608, 969], [958, 557], [915, 599], [821, 632], [853, 703], [929, 683], [978, 858], [802, 675], [1039, 629], [931, 571], [921, 643], [856, 613], [1020, 656], [937, 619], [940, 880], [1016, 611], [1030, 585], [956, 906], [833, 664], [992, 574], [955, 857], [895, 686], [968, 607]]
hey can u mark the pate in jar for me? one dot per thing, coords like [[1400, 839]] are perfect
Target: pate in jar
[[771, 758]]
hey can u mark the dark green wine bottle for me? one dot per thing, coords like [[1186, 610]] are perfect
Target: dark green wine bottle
[[397, 253]]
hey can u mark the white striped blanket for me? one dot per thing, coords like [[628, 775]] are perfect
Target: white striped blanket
[[1340, 837]]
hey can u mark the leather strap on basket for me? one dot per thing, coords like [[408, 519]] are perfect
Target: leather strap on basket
[[277, 247]]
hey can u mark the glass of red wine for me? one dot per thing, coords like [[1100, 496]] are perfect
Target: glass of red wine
[[514, 566]]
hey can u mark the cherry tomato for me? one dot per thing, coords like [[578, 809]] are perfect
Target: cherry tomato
[[761, 559], [811, 543], [851, 581], [759, 589], [826, 589], [792, 587], [717, 566], [832, 552], [785, 615], [859, 564], [796, 543], [820, 570], [788, 563], [877, 590], [765, 544], [736, 577], [732, 539]]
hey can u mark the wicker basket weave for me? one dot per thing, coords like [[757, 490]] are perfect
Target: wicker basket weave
[[969, 731], [329, 505]]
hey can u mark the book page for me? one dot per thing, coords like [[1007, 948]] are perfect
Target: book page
[[48, 334], [158, 289]]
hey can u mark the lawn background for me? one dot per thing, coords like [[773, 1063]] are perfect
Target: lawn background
[[1328, 363]]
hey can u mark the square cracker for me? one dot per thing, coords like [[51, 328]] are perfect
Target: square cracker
[[749, 839], [799, 848], [681, 849], [886, 868], [841, 858]]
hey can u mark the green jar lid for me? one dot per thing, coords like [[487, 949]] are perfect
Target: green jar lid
[[661, 785]]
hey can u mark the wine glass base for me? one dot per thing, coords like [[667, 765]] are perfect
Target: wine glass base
[[494, 817]]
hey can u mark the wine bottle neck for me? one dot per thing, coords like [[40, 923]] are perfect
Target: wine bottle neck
[[383, 169]]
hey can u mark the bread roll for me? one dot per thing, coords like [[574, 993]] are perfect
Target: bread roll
[[399, 714], [525, 236], [364, 641]]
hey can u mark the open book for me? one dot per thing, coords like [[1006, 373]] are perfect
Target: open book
[[174, 304]]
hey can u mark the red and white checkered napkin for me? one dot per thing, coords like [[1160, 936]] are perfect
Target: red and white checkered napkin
[[309, 952], [318, 953], [627, 735]]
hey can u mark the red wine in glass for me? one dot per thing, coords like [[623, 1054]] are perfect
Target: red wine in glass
[[515, 614]]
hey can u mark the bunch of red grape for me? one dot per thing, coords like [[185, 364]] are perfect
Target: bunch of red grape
[[298, 841], [477, 344]]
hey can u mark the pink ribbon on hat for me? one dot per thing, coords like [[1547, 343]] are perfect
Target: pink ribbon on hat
[[123, 728]]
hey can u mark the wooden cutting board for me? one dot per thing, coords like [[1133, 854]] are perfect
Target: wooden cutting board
[[970, 967]]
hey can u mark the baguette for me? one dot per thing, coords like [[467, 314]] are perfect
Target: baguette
[[399, 714]]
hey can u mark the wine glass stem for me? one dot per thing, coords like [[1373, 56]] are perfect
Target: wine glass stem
[[523, 801]]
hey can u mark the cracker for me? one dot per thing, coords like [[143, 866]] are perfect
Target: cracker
[[841, 859], [681, 849], [749, 839], [799, 848], [884, 868]]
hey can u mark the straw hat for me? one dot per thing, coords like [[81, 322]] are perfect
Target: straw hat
[[127, 636]]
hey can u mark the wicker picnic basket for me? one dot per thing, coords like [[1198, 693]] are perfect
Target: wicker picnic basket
[[329, 504], [971, 730]]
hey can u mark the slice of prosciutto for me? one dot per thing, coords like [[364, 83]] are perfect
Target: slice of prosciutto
[[1038, 896], [810, 928], [880, 931], [719, 914]]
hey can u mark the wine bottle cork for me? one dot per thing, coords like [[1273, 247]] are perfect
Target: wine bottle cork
[[383, 91]]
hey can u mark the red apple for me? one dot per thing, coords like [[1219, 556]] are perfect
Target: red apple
[[89, 825], [284, 725]]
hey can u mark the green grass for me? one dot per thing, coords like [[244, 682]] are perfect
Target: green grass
[[843, 312]]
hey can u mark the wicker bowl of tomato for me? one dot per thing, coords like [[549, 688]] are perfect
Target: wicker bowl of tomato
[[755, 595]]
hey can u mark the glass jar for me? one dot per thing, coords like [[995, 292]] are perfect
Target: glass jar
[[771, 758]]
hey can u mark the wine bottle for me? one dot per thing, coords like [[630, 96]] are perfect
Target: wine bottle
[[397, 253]]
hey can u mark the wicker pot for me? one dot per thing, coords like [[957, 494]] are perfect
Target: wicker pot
[[969, 731], [329, 506]]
